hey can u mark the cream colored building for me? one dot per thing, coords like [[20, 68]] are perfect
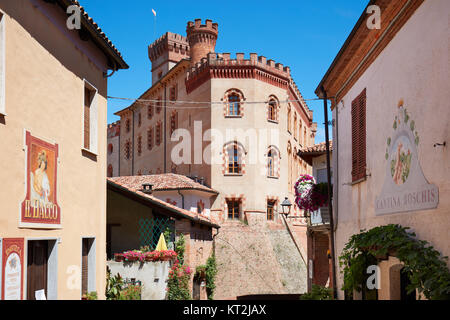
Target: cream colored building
[[395, 81], [53, 130], [235, 124]]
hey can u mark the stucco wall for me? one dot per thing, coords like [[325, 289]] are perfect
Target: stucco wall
[[416, 72], [45, 68]]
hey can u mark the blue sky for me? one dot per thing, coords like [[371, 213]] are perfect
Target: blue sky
[[304, 35]]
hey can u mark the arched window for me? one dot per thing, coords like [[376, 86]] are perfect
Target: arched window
[[233, 103], [150, 138], [272, 109], [127, 125], [139, 145], [159, 105], [150, 110], [272, 162], [234, 159], [295, 125], [110, 148]]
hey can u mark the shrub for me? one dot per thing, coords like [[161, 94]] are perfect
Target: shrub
[[318, 293]]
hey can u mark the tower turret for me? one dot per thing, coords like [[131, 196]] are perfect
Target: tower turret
[[202, 39]]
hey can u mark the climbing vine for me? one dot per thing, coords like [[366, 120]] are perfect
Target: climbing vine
[[211, 272], [427, 269]]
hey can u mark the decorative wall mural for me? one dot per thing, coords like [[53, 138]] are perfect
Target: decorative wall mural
[[405, 187], [12, 268], [40, 206]]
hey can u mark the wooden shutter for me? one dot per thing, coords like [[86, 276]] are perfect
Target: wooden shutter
[[359, 137], [87, 115], [37, 267]]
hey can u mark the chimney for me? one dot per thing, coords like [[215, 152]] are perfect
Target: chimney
[[147, 188]]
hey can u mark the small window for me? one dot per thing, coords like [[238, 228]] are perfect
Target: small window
[[90, 118], [173, 122], [289, 120], [233, 105], [127, 150], [270, 209], [159, 105], [158, 133], [234, 159], [173, 93], [127, 125], [110, 148], [150, 139], [150, 110], [139, 119], [139, 145], [234, 207], [295, 125]]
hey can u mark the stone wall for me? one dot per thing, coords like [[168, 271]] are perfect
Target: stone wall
[[153, 276], [255, 259]]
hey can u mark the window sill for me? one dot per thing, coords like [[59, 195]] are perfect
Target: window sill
[[233, 174], [272, 177], [89, 151], [358, 181], [272, 121], [232, 117]]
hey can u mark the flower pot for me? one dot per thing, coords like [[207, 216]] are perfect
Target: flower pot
[[131, 259], [118, 258]]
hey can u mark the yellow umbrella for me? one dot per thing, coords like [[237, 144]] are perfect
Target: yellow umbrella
[[161, 243]]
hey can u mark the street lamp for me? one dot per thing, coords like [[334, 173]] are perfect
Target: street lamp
[[286, 207]]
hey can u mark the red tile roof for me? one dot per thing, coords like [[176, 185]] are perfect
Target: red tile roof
[[320, 147], [131, 185], [165, 181]]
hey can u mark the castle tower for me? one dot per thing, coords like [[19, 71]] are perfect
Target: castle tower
[[166, 52], [202, 39]]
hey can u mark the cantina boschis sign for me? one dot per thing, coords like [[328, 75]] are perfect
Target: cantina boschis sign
[[405, 187]]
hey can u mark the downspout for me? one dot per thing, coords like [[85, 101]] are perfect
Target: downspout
[[330, 206], [132, 143], [164, 128], [336, 169]]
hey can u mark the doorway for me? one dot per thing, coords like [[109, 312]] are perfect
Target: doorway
[[37, 268]]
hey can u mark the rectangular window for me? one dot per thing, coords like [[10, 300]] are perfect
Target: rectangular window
[[234, 160], [358, 114], [158, 133], [90, 118], [2, 65], [270, 209], [234, 208]]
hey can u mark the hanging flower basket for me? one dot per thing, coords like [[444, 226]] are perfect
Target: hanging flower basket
[[310, 196]]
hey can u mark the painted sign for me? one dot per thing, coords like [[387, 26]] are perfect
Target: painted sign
[[40, 207], [12, 268], [405, 187]]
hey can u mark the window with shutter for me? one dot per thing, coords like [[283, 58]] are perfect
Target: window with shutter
[[90, 120], [358, 114], [84, 266]]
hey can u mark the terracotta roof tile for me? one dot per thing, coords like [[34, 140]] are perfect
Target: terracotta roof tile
[[165, 181], [320, 147], [132, 187]]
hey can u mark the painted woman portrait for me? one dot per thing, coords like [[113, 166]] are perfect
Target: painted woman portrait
[[39, 180]]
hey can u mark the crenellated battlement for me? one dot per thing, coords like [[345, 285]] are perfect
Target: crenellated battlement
[[223, 64], [198, 27], [169, 42], [113, 129]]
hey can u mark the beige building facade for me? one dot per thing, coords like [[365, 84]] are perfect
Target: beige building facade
[[53, 130], [236, 124], [400, 172]]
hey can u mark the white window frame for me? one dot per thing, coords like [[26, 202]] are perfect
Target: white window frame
[[93, 120], [2, 63]]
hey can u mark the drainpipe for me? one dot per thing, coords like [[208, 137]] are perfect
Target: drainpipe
[[132, 143], [330, 206], [164, 129], [336, 169]]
